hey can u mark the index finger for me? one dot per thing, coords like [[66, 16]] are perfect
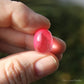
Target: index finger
[[21, 18]]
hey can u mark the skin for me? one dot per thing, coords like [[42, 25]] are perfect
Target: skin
[[18, 23]]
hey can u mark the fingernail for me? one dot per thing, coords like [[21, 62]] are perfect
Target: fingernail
[[46, 66]]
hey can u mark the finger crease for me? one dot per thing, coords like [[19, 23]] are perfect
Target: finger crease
[[6, 76]]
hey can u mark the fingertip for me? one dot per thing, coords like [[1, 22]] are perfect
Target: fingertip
[[46, 65], [59, 46], [45, 21]]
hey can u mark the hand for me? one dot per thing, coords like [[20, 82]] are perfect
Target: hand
[[18, 23]]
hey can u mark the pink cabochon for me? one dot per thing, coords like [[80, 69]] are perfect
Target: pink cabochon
[[43, 41]]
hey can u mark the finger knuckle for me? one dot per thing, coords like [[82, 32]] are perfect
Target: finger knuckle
[[18, 3], [15, 72]]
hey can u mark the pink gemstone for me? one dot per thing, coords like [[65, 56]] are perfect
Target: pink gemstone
[[43, 41]]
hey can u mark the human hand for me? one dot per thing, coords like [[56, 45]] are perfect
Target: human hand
[[18, 23]]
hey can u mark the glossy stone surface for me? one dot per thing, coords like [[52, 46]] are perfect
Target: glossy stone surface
[[43, 41]]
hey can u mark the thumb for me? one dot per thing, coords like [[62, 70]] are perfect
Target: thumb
[[26, 67]]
